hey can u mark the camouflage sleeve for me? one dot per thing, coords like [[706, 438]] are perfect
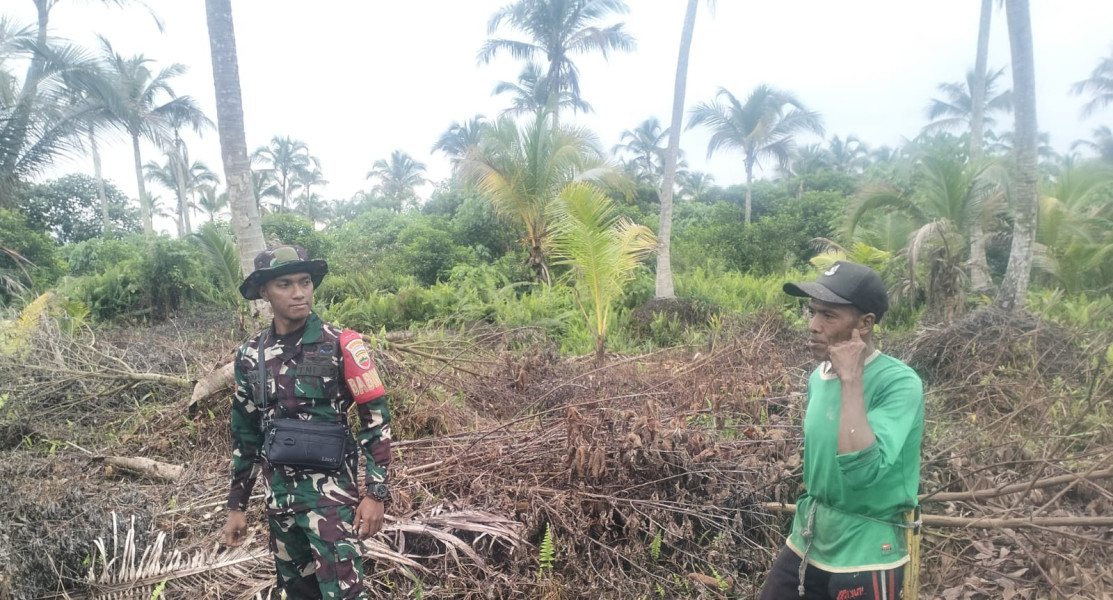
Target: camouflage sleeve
[[374, 415], [247, 438]]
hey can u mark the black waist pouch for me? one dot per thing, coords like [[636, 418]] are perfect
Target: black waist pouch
[[308, 444]]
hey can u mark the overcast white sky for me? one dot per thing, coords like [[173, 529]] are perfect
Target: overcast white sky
[[356, 79]]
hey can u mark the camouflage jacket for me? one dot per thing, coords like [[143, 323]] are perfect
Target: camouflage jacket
[[314, 374]]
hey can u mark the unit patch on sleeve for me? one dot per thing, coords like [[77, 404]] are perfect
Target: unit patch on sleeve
[[359, 353], [359, 372]]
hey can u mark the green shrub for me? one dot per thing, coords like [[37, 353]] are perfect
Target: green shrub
[[1076, 311], [28, 259], [365, 243], [166, 276], [288, 228], [734, 292], [69, 209], [428, 253], [98, 254]]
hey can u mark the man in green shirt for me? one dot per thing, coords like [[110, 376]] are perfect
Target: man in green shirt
[[862, 432]]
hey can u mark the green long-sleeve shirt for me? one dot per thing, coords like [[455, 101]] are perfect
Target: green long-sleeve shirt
[[857, 496]]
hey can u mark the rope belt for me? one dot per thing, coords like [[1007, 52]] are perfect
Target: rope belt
[[808, 534]]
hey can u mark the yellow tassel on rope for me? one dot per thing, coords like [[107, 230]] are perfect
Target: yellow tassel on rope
[[912, 569]]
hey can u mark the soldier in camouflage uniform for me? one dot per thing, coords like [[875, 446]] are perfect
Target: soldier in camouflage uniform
[[315, 371]]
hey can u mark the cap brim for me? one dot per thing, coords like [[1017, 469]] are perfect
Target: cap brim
[[317, 270], [811, 289]]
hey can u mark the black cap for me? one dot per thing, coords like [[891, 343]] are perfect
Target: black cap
[[846, 283]]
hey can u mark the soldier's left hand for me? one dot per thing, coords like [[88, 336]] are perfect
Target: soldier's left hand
[[369, 517]]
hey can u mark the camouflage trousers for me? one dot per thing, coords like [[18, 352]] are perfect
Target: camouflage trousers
[[315, 554]]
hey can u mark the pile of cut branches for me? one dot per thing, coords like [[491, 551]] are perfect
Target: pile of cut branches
[[521, 474]]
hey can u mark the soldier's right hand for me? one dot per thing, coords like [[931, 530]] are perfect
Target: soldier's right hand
[[235, 530]]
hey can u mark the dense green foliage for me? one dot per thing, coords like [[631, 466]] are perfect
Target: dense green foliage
[[28, 259], [69, 208], [138, 277], [480, 248]]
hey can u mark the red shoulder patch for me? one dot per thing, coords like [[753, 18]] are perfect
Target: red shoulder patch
[[359, 371]]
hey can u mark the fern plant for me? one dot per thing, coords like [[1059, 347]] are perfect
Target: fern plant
[[547, 552], [655, 546]]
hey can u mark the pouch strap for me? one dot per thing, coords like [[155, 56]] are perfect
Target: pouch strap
[[261, 378]]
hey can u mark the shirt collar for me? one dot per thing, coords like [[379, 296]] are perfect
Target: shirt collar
[[826, 372], [311, 333]]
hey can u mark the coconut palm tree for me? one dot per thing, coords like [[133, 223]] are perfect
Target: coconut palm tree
[[283, 160], [664, 285], [33, 132], [980, 280], [532, 93], [1075, 227], [807, 160], [521, 169], [558, 30], [166, 175], [1014, 288], [306, 178], [398, 177], [762, 127], [885, 154], [246, 223], [694, 185], [314, 208], [198, 175], [456, 140], [849, 155], [643, 145], [47, 114], [602, 250], [949, 196], [178, 154], [956, 112], [210, 202], [1102, 144], [1099, 86], [182, 182], [144, 104]]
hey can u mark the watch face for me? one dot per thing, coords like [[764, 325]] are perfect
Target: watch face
[[379, 491]]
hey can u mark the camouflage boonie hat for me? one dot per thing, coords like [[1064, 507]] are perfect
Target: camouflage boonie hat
[[281, 260]]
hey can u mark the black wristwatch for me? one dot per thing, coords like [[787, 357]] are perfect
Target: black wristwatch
[[379, 491]]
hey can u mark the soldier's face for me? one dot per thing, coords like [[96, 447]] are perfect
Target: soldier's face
[[290, 296]]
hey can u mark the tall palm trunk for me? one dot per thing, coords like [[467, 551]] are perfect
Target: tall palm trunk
[[672, 153], [183, 199], [144, 200], [102, 194], [1014, 288], [19, 125], [181, 160], [980, 281], [749, 188], [233, 142], [285, 191]]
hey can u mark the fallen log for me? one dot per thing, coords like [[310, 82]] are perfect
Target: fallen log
[[1013, 487], [212, 384], [145, 467], [982, 522]]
